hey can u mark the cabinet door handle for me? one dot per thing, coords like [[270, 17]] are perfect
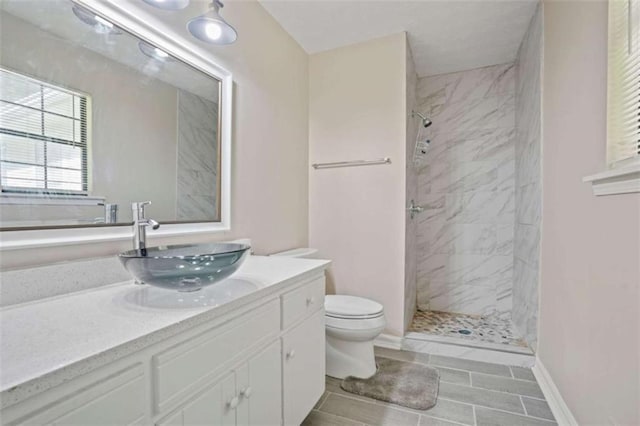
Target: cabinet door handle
[[246, 392], [311, 301], [291, 354], [233, 403]]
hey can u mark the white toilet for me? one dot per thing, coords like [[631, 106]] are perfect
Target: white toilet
[[352, 324]]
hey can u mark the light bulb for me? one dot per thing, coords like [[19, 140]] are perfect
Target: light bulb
[[99, 24], [160, 53], [103, 22], [153, 52], [213, 30], [168, 4]]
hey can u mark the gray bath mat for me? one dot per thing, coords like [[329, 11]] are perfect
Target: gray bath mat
[[399, 382]]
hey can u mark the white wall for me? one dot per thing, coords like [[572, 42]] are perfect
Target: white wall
[[269, 140], [589, 330], [357, 110]]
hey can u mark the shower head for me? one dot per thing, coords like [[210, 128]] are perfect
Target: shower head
[[425, 121]]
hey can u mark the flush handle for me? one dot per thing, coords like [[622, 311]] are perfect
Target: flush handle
[[291, 354], [311, 301]]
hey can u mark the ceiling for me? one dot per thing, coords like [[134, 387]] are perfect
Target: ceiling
[[445, 36]]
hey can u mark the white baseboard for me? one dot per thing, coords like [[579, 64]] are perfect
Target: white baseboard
[[389, 341], [559, 408]]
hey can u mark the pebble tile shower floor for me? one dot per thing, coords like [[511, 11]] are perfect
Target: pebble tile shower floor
[[492, 329], [471, 393]]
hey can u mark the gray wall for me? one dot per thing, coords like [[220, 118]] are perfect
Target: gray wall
[[528, 184], [466, 183]]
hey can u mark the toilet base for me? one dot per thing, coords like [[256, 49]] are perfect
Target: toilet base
[[350, 358]]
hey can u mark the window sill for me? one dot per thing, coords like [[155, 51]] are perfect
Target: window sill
[[50, 200], [622, 180]]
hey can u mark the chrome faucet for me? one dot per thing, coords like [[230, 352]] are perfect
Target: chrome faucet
[[110, 212], [140, 224]]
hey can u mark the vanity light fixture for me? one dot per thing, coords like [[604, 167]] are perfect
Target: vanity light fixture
[[99, 24], [168, 4], [153, 52], [211, 27]]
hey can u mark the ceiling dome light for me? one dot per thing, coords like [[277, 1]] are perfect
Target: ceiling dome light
[[168, 4], [152, 51], [99, 24], [211, 28]]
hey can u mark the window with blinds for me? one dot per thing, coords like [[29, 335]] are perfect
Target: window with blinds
[[623, 109], [43, 137]]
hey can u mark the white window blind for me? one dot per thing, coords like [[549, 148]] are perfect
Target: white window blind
[[623, 109], [43, 137]]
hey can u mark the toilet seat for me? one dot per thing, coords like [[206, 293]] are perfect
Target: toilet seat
[[351, 307], [378, 322]]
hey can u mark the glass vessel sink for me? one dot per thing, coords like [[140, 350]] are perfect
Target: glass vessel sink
[[184, 267]]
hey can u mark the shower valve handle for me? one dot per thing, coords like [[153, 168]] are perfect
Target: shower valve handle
[[414, 209]]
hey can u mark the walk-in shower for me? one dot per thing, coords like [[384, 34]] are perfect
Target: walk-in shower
[[476, 209]]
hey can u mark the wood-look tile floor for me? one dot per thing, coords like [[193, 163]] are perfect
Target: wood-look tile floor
[[471, 393]]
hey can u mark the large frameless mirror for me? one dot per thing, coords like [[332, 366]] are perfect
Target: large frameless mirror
[[93, 118]]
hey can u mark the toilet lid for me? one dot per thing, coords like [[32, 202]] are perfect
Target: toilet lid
[[340, 306]]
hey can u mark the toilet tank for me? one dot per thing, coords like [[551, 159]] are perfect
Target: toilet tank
[[303, 252]]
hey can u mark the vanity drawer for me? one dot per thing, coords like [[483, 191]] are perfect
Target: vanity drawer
[[187, 366], [118, 399], [300, 303]]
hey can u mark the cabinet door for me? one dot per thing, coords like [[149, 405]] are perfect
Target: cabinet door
[[303, 368], [183, 369], [260, 389], [214, 407]]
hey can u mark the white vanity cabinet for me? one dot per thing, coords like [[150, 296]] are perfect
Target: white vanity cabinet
[[260, 364]]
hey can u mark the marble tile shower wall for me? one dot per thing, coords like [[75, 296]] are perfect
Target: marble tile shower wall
[[410, 278], [466, 183], [197, 157], [527, 178]]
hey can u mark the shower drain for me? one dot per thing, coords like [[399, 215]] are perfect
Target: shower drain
[[465, 331]]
